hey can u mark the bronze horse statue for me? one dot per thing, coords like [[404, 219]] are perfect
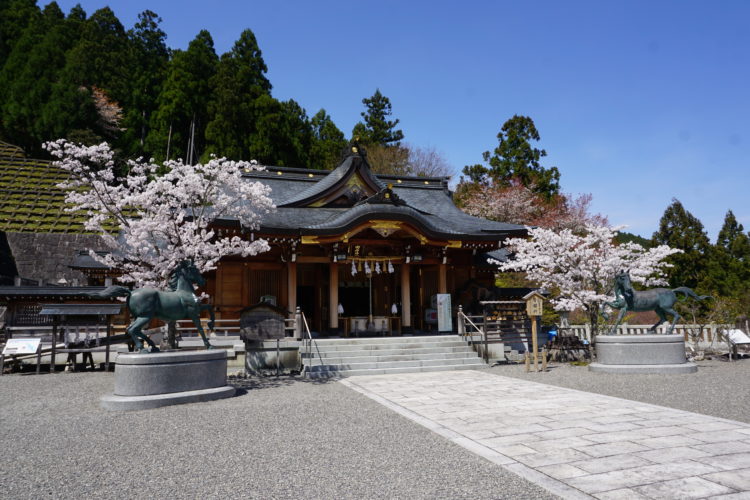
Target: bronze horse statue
[[659, 300], [180, 303]]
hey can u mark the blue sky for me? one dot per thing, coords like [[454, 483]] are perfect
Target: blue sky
[[636, 102]]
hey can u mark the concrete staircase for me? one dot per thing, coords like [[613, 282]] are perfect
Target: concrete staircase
[[377, 356]]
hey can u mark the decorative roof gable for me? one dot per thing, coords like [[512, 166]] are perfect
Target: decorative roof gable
[[348, 184], [385, 196]]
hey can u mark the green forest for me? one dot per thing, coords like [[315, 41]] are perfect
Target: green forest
[[89, 79]]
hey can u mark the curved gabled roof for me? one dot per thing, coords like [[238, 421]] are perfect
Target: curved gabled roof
[[362, 213], [311, 202], [351, 166]]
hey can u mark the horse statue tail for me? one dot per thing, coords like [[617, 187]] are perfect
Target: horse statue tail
[[689, 293], [112, 291]]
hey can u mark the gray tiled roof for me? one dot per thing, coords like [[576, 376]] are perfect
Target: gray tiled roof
[[428, 204]]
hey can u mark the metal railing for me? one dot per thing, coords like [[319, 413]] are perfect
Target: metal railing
[[309, 342], [463, 321]]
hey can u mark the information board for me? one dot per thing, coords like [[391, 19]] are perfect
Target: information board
[[738, 337], [22, 346], [445, 320]]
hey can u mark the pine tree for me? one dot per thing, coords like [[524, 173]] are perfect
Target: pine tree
[[283, 133], [679, 229], [150, 56], [178, 125], [327, 142], [728, 269], [515, 160], [377, 128], [238, 83], [28, 79], [102, 57], [15, 17]]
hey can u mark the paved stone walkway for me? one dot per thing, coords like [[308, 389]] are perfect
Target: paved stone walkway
[[575, 444]]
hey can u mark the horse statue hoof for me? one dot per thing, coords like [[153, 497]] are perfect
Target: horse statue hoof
[[155, 349], [209, 346]]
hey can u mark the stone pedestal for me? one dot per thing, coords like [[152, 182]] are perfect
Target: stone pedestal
[[641, 354], [145, 381]]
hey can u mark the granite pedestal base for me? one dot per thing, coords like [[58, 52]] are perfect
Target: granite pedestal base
[[145, 381], [641, 354]]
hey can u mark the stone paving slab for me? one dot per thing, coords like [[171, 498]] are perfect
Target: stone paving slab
[[573, 443]]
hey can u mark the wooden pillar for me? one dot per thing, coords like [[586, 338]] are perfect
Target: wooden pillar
[[442, 278], [405, 297], [291, 286], [333, 296]]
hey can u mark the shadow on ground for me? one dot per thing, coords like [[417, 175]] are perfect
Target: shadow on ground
[[255, 383]]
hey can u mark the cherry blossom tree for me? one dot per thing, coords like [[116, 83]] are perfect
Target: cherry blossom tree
[[157, 215], [519, 204], [580, 268]]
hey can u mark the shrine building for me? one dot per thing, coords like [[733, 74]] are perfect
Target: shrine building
[[349, 244]]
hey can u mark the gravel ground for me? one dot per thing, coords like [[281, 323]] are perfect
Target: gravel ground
[[285, 438], [719, 388]]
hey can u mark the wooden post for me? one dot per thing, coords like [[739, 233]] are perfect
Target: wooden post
[[333, 296], [291, 287], [534, 343], [54, 344], [106, 355], [405, 297], [442, 278]]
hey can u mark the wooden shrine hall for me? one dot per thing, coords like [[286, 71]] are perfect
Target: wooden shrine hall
[[348, 245]]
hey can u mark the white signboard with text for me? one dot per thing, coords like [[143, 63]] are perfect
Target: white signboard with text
[[738, 337], [22, 346], [445, 320]]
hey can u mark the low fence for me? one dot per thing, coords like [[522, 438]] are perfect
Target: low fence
[[703, 334]]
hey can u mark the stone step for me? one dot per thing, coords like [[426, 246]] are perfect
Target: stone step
[[391, 364], [387, 346], [389, 340], [408, 356], [383, 352], [372, 356], [384, 371]]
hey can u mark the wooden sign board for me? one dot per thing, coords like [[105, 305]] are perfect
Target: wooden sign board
[[22, 346], [534, 304]]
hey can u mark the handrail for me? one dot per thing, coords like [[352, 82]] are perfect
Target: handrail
[[463, 319], [309, 339]]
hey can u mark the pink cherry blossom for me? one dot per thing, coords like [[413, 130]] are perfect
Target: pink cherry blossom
[[158, 215]]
